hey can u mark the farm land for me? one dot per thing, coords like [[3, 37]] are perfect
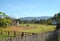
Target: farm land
[[30, 28]]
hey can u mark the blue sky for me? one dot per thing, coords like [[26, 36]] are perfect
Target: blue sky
[[30, 8]]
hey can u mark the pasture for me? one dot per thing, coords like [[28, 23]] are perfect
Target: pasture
[[30, 28]]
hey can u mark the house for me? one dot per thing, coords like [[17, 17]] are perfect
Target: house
[[14, 22], [1, 16], [54, 22]]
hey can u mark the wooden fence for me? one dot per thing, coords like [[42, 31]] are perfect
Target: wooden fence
[[25, 36]]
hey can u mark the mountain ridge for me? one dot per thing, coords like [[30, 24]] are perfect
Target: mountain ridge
[[36, 18]]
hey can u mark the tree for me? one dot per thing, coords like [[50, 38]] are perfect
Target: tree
[[4, 19], [57, 17], [36, 22], [49, 21]]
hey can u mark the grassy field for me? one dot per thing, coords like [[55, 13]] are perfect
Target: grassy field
[[31, 28]]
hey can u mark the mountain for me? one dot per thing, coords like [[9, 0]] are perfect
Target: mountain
[[36, 18]]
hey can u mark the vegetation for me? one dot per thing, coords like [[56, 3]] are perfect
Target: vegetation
[[49, 21], [33, 26], [57, 17], [4, 20], [58, 38]]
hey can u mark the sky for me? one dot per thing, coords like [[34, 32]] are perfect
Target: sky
[[30, 8]]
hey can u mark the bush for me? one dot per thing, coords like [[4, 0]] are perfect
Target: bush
[[27, 25]]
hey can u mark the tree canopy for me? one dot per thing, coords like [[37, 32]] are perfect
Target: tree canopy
[[57, 17], [4, 19]]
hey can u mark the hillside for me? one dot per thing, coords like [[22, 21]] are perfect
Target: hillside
[[36, 18]]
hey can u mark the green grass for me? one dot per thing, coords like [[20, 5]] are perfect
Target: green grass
[[32, 28], [37, 28], [58, 38], [4, 35]]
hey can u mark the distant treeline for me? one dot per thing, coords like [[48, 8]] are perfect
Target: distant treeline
[[6, 20], [53, 20]]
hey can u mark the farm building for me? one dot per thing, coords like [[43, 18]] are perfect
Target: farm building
[[54, 22], [14, 22]]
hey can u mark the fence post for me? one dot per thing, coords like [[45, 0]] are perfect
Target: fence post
[[14, 33], [1, 32], [22, 35], [8, 33]]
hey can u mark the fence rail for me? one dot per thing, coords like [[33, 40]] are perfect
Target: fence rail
[[25, 36]]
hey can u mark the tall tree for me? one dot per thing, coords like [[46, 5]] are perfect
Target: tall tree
[[57, 17], [4, 19]]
